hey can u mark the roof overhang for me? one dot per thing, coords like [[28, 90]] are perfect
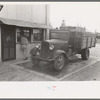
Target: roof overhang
[[21, 23]]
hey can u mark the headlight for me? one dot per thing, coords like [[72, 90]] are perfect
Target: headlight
[[38, 46], [51, 47]]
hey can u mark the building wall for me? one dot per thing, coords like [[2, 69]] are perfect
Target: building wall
[[47, 20], [32, 13], [19, 53], [0, 44]]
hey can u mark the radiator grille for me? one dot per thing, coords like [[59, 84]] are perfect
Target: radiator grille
[[44, 49]]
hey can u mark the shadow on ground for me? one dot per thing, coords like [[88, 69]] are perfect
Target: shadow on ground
[[47, 68]]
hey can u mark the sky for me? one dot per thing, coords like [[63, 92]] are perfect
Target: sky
[[84, 14]]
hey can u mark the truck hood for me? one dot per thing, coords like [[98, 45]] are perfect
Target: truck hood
[[58, 44]]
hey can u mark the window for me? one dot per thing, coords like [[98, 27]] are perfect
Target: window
[[37, 35], [31, 34], [18, 35], [27, 33], [59, 35]]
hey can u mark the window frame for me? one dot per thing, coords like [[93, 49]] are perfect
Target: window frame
[[41, 32], [19, 29]]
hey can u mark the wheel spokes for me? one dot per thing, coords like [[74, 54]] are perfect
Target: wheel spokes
[[60, 62]]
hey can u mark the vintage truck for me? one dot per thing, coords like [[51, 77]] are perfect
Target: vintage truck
[[62, 45]]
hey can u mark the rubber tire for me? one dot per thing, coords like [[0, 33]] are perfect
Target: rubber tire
[[56, 66], [35, 62], [85, 54]]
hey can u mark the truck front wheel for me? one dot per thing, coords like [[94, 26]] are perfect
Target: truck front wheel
[[59, 62], [35, 62], [85, 54]]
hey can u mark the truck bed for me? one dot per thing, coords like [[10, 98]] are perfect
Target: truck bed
[[88, 40]]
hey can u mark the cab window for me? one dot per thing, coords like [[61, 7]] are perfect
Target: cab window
[[59, 35]]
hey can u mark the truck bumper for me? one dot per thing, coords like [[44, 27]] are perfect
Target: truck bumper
[[42, 59]]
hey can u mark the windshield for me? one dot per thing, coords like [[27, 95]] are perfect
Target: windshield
[[62, 36]]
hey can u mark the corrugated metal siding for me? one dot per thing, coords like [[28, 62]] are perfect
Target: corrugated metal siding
[[32, 13]]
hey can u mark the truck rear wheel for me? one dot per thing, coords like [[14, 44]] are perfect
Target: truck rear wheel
[[85, 54], [59, 62]]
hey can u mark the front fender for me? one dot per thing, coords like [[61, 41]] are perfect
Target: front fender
[[33, 51], [58, 52]]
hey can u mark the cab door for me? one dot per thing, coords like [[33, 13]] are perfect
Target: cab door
[[72, 39]]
